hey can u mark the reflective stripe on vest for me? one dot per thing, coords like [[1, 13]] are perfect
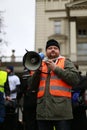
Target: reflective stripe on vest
[[3, 77], [57, 86]]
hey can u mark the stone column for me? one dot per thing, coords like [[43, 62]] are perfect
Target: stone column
[[13, 56], [73, 44]]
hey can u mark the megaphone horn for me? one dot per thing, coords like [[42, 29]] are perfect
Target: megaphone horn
[[32, 60]]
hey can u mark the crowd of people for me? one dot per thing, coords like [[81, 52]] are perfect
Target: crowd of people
[[9, 88], [53, 94]]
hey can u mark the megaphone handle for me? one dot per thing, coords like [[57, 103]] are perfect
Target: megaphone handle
[[45, 72]]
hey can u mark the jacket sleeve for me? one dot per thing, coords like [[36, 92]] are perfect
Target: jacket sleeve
[[34, 81], [6, 88], [82, 84], [69, 74]]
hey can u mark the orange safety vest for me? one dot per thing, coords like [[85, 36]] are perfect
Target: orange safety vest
[[57, 86]]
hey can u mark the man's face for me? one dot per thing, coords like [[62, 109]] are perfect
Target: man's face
[[52, 52], [8, 70]]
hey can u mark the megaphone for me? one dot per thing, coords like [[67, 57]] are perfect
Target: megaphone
[[32, 60]]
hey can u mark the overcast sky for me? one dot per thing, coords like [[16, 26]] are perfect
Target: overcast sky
[[19, 21]]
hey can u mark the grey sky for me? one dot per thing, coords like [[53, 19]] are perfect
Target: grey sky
[[19, 19]]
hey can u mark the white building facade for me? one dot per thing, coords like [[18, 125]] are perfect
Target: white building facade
[[66, 22]]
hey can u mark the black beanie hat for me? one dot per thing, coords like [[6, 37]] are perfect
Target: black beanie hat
[[52, 42]]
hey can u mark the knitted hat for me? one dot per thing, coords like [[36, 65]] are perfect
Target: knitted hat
[[52, 42], [10, 68]]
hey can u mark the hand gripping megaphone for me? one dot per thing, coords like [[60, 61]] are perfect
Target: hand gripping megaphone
[[32, 60]]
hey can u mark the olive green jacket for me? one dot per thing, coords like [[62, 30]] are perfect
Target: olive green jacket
[[51, 107]]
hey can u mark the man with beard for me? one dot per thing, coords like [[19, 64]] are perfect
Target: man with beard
[[55, 78]]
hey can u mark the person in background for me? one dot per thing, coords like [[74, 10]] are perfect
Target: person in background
[[29, 102], [11, 99], [3, 89], [56, 76], [14, 83], [79, 103]]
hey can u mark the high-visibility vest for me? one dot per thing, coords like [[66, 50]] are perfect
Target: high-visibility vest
[[3, 78], [57, 86]]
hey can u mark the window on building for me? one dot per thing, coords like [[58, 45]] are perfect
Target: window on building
[[55, 0], [82, 48], [57, 27], [82, 32]]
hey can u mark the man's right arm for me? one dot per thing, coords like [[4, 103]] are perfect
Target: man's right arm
[[34, 81], [6, 88]]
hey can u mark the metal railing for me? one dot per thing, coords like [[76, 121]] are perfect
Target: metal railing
[[11, 59], [81, 58]]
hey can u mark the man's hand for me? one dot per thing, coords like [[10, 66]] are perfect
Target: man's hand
[[51, 64], [8, 98]]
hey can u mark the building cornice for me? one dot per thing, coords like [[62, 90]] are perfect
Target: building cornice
[[59, 36], [78, 4]]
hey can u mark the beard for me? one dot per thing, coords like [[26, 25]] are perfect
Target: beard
[[53, 55]]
